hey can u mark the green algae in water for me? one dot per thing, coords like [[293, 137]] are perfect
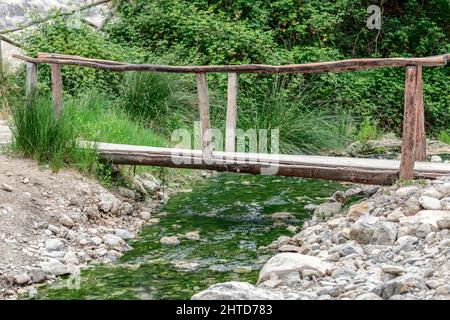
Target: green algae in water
[[231, 213]]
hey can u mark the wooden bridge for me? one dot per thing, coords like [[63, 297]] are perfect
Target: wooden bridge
[[373, 171]]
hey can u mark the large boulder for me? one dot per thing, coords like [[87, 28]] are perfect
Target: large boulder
[[430, 203], [372, 230], [287, 262], [430, 217], [235, 290], [327, 210]]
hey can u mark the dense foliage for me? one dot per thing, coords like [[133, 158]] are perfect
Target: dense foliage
[[263, 31]]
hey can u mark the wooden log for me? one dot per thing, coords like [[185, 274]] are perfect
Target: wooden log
[[409, 124], [420, 152], [10, 41], [1, 60], [31, 79], [57, 89], [203, 106], [332, 66], [44, 55], [230, 126]]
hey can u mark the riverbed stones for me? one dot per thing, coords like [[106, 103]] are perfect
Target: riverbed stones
[[54, 244], [287, 262], [235, 290], [169, 241], [54, 267], [406, 191], [113, 241], [430, 203], [282, 215], [327, 210], [192, 235], [108, 203], [21, 279], [124, 234], [66, 221], [357, 210], [6, 187]]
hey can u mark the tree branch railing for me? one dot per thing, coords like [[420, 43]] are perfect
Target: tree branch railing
[[414, 143]]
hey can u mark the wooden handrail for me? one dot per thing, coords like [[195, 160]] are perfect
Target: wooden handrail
[[331, 66]]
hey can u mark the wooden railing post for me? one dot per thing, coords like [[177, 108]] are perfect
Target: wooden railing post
[[420, 152], [203, 105], [57, 90], [230, 126], [409, 123], [31, 80]]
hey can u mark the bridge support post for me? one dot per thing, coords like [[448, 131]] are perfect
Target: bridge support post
[[31, 80], [413, 147], [203, 105], [230, 126], [57, 91]]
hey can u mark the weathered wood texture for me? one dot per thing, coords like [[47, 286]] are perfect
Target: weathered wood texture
[[230, 126], [358, 170], [31, 79], [203, 106], [420, 147], [410, 122], [57, 88], [331, 66]]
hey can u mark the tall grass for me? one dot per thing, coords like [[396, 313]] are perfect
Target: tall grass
[[39, 134]]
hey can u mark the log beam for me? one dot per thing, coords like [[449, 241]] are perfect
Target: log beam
[[230, 126], [203, 106]]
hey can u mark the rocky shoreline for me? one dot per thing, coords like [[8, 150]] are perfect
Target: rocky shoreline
[[55, 224], [393, 245]]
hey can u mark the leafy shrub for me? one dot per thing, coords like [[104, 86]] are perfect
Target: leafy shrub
[[367, 131], [444, 136]]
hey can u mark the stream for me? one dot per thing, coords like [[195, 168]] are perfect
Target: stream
[[233, 216]]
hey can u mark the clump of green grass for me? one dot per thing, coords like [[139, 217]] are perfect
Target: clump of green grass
[[97, 118], [367, 130], [444, 136], [39, 134]]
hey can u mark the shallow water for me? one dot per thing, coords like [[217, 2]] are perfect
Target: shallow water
[[232, 214]]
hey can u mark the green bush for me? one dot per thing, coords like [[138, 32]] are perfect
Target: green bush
[[367, 131], [444, 136]]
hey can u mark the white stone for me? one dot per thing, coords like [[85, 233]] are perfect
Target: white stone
[[436, 159], [430, 203], [113, 241], [285, 263], [445, 203], [234, 290], [66, 221], [53, 244], [406, 191], [169, 241], [425, 217], [282, 215], [54, 267], [124, 234]]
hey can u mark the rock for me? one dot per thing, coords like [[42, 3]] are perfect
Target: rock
[[285, 263], [340, 196], [363, 229], [445, 203], [357, 210], [368, 296], [192, 235], [406, 191], [292, 228], [186, 265], [282, 215], [432, 192], [6, 187], [425, 217], [349, 248], [149, 182], [113, 241], [310, 207], [430, 203], [401, 285], [124, 234], [71, 258], [436, 159], [54, 267], [153, 221], [397, 270], [395, 216], [126, 193], [127, 208], [107, 203], [385, 233], [444, 223], [21, 279], [145, 215], [234, 290], [169, 241], [289, 248], [326, 210], [53, 244], [66, 221], [37, 275]]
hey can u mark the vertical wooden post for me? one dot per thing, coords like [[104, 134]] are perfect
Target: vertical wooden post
[[420, 152], [409, 124], [203, 105], [31, 80], [1, 60], [230, 126], [57, 90]]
